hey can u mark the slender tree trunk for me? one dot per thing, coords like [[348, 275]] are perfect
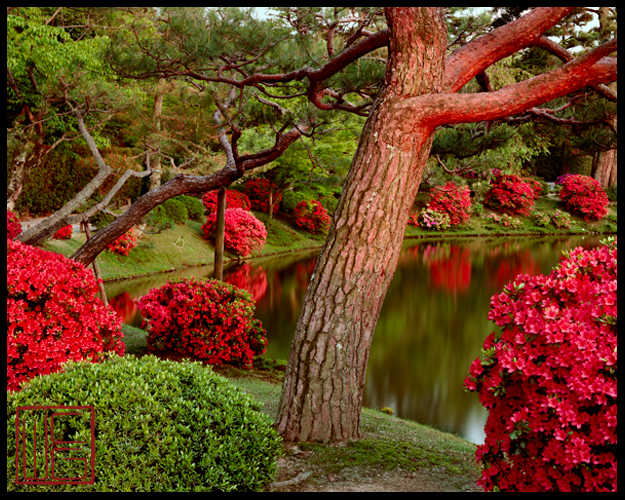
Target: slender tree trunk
[[604, 162], [96, 268], [155, 179], [322, 392], [29, 158], [219, 240]]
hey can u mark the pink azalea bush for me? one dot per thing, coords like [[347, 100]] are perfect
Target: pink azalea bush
[[432, 219], [454, 201], [54, 314], [504, 220], [207, 318], [13, 225], [311, 216], [549, 379], [124, 244], [65, 233], [234, 199], [512, 195], [413, 220], [584, 195], [243, 233], [257, 191]]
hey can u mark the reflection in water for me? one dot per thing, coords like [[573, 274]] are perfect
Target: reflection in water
[[432, 325]]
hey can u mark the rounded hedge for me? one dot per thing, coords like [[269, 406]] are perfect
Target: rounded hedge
[[195, 208], [159, 426], [176, 211]]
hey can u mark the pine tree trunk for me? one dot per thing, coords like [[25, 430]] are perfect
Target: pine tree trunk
[[322, 393], [604, 164], [155, 178]]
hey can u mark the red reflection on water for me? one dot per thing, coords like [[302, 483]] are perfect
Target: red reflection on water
[[303, 273], [124, 307], [509, 267], [252, 279], [451, 269]]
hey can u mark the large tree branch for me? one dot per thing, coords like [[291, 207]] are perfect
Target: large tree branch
[[559, 51], [471, 59], [182, 184], [588, 70], [37, 233]]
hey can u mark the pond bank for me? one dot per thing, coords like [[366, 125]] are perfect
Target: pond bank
[[184, 247]]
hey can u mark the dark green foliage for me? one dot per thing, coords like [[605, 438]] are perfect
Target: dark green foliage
[[158, 219], [160, 426], [176, 211], [290, 199], [611, 193], [53, 183], [195, 208]]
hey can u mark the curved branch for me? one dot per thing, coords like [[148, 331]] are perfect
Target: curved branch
[[557, 50], [588, 70], [471, 59], [182, 184]]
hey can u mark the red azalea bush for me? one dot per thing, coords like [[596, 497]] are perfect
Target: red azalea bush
[[584, 195], [207, 318], [13, 225], [511, 194], [65, 233], [549, 380], [454, 201], [311, 216], [234, 199], [243, 233], [257, 191], [124, 244], [53, 314]]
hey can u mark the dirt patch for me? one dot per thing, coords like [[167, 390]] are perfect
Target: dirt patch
[[297, 472]]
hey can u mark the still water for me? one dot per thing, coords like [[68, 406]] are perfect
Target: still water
[[432, 325]]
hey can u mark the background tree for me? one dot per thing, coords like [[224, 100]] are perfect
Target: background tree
[[205, 47], [41, 52]]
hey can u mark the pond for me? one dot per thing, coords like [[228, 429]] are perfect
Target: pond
[[432, 326]]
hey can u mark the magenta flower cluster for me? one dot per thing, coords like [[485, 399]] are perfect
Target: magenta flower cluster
[[549, 379], [512, 194], [454, 201], [211, 320], [311, 216], [584, 195], [243, 233], [54, 314], [124, 244]]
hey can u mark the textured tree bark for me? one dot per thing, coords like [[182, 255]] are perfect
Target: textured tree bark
[[322, 393]]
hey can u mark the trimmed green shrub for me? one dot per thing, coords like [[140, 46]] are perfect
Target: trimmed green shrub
[[195, 208], [176, 211], [159, 426], [158, 219]]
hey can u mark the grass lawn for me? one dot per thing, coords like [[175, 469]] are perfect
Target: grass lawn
[[394, 453]]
